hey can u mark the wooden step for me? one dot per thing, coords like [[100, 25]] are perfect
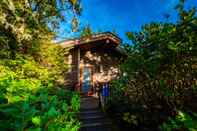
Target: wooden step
[[92, 117], [90, 112], [98, 120], [90, 109], [96, 128], [96, 124]]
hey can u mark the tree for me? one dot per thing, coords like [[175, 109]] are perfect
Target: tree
[[23, 23], [86, 31], [161, 74], [32, 67]]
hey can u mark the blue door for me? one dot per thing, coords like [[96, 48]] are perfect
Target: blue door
[[86, 80]]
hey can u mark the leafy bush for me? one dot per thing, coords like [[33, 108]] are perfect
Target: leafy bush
[[30, 100], [159, 75], [182, 121], [32, 67]]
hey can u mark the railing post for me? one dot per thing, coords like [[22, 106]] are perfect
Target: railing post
[[99, 95]]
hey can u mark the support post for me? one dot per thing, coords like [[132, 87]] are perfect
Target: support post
[[78, 64]]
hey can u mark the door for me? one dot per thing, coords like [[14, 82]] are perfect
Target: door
[[86, 85]]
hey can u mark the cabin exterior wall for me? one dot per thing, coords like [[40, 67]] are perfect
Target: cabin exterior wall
[[71, 77], [104, 66], [103, 63]]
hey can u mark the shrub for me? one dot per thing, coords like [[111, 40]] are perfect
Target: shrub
[[30, 100], [159, 75], [182, 121]]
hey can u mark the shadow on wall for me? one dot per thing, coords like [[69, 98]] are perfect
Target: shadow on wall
[[104, 62]]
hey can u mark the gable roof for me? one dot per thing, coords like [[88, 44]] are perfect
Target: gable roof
[[108, 36]]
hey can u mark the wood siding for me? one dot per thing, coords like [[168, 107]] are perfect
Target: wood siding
[[103, 61], [71, 77], [104, 64]]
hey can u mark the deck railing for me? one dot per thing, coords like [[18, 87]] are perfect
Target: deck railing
[[103, 92]]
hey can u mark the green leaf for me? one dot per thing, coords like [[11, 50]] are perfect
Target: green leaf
[[36, 120], [172, 46], [74, 2], [65, 107], [52, 112], [35, 129], [130, 35]]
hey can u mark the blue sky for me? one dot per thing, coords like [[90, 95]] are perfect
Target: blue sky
[[126, 15]]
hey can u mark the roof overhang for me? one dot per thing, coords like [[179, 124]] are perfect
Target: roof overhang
[[106, 40], [107, 36]]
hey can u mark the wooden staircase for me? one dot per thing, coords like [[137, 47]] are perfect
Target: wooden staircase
[[91, 116]]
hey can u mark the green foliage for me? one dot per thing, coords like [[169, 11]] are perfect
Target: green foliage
[[182, 121], [130, 118], [159, 75], [25, 24], [30, 100], [86, 31], [52, 56], [32, 67], [75, 103]]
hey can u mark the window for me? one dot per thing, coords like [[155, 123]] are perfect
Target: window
[[101, 68]]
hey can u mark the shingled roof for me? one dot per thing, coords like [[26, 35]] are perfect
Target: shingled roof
[[93, 38], [109, 37]]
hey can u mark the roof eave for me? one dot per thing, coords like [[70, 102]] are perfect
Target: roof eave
[[83, 40]]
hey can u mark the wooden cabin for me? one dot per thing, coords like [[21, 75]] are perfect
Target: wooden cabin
[[94, 61]]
